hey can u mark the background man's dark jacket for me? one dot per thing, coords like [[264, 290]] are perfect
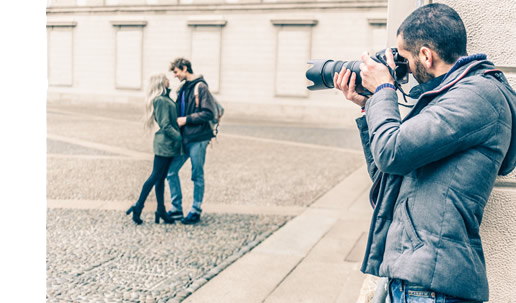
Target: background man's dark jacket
[[197, 127]]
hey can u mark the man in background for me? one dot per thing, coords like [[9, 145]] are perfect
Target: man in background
[[194, 113]]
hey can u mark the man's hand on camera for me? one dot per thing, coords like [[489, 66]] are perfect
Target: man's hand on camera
[[373, 73], [341, 80]]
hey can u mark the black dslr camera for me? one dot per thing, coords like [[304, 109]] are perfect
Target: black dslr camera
[[322, 71]]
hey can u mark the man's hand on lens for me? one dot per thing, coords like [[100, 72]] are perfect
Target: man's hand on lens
[[340, 80], [373, 73]]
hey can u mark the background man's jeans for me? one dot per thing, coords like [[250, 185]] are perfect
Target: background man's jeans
[[403, 292], [196, 151]]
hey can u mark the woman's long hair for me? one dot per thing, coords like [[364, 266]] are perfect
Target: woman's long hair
[[155, 87]]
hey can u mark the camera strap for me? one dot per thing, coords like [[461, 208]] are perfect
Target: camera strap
[[398, 86], [396, 83], [391, 71]]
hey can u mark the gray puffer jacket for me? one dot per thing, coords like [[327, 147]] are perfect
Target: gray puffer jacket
[[433, 173]]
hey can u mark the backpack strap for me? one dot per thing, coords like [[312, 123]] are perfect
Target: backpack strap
[[196, 94]]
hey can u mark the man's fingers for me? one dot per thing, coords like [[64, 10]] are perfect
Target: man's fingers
[[345, 80], [336, 81], [341, 75], [363, 67], [352, 82], [341, 81], [365, 57]]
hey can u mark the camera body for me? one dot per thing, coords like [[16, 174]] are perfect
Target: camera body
[[323, 70]]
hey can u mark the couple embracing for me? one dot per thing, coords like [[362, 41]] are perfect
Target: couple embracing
[[184, 132]]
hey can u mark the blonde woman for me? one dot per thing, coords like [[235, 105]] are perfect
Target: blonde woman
[[159, 109]]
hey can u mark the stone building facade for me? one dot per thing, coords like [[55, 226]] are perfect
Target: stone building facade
[[253, 53]]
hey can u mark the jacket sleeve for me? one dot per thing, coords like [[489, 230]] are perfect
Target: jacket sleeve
[[457, 121], [162, 112], [364, 137], [206, 110]]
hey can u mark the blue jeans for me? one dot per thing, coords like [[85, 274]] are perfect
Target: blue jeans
[[403, 292], [196, 151]]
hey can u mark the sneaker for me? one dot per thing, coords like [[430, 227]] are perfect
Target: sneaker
[[192, 218], [176, 215]]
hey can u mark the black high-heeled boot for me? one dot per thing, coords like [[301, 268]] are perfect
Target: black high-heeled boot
[[163, 215], [136, 214]]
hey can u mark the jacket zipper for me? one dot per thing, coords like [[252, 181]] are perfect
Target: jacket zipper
[[371, 192]]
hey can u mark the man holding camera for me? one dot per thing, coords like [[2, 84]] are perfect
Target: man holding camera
[[433, 171], [195, 108]]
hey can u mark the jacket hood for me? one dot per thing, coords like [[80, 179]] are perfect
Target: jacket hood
[[191, 83], [186, 84], [509, 162]]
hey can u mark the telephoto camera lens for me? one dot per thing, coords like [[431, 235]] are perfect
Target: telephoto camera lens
[[322, 71]]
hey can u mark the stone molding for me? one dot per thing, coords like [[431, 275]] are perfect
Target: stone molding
[[506, 181], [377, 21], [129, 23], [220, 23], [219, 7], [61, 24], [507, 69], [294, 22]]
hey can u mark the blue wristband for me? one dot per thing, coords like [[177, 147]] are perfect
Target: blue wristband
[[385, 85]]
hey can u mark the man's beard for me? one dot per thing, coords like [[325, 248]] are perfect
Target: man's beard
[[421, 74]]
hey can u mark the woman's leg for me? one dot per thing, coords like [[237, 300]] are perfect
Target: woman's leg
[[159, 185], [157, 168]]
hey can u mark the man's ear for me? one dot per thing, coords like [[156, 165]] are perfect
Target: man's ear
[[184, 69], [426, 56]]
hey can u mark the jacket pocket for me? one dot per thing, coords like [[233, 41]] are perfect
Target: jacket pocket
[[194, 130], [408, 225]]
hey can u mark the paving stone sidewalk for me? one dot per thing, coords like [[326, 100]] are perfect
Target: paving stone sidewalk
[[259, 176]]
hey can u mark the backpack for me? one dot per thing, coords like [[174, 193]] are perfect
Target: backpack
[[219, 111]]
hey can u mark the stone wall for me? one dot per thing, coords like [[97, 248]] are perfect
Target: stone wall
[[252, 54]]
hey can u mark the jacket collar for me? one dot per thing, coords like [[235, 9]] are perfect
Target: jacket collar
[[464, 61], [459, 70], [422, 88], [187, 84], [431, 85]]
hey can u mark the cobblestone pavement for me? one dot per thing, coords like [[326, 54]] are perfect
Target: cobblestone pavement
[[98, 256], [100, 153]]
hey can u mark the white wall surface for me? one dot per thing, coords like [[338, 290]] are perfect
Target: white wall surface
[[248, 83], [491, 28]]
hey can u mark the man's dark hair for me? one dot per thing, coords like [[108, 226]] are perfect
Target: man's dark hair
[[438, 27], [180, 63]]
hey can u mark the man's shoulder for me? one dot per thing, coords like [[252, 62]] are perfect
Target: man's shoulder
[[481, 85], [201, 85], [201, 89]]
